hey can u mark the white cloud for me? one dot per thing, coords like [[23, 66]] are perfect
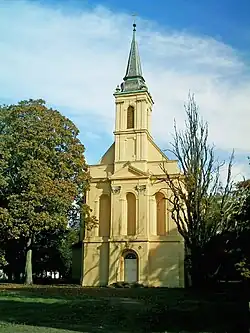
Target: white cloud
[[239, 172], [74, 59]]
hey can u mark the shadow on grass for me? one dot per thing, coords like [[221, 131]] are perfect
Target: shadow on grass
[[105, 312], [164, 295]]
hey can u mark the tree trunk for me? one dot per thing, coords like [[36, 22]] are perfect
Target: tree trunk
[[28, 264], [196, 276], [195, 267], [11, 277]]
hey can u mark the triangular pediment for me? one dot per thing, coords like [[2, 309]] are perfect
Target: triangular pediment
[[129, 171]]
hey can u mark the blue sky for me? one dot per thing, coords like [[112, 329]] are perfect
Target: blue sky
[[227, 20], [74, 53]]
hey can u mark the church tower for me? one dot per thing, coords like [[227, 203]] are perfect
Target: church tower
[[133, 113], [136, 239]]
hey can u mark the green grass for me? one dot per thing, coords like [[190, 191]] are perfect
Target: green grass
[[68, 309]]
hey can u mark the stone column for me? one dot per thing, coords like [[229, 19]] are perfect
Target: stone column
[[115, 191], [123, 220], [117, 148], [152, 214], [96, 210], [138, 146], [138, 113], [141, 215], [138, 216], [123, 114]]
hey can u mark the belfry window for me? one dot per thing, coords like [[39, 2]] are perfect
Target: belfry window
[[131, 117]]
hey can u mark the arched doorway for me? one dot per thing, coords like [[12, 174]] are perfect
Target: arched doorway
[[130, 267]]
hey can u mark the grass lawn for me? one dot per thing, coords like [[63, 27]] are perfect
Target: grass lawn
[[68, 309]]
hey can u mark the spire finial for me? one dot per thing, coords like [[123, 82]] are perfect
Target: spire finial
[[134, 24]]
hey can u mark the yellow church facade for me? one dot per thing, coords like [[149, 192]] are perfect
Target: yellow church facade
[[136, 240]]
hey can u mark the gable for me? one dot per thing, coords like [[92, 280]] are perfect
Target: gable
[[154, 152], [109, 156], [128, 171]]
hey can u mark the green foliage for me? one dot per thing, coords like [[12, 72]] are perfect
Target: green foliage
[[42, 171], [3, 261], [242, 218], [243, 268], [242, 214], [65, 252], [89, 221], [53, 252]]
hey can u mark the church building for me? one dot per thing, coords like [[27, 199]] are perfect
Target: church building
[[136, 240]]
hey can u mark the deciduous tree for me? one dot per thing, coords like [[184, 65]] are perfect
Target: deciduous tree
[[43, 173], [200, 206]]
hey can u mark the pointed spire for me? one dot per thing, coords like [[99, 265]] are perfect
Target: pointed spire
[[134, 62], [133, 79]]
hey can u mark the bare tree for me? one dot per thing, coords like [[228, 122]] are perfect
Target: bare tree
[[199, 204]]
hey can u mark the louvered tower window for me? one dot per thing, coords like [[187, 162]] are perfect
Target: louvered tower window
[[130, 117]]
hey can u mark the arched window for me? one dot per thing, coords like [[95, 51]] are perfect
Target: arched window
[[130, 255], [131, 214], [160, 213], [104, 215], [131, 117]]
